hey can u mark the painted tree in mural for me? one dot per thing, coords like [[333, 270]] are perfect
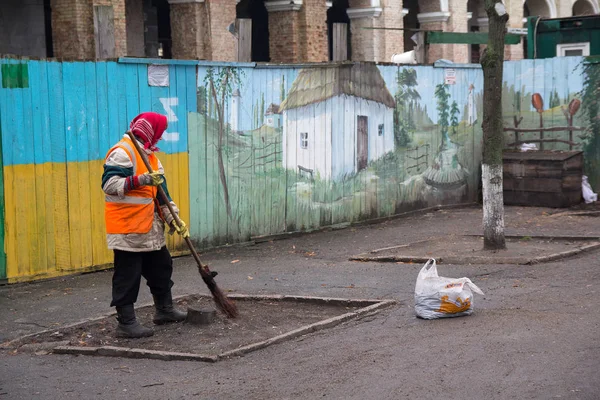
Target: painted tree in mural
[[201, 97], [554, 99], [221, 83], [591, 105], [493, 139], [454, 117], [406, 98], [442, 94]]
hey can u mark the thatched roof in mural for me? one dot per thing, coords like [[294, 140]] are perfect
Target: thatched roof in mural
[[273, 109], [319, 84]]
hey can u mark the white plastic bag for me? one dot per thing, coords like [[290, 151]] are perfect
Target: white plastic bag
[[528, 147], [586, 189], [439, 297]]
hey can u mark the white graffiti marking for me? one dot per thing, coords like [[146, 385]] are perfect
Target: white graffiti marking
[[168, 104], [171, 136]]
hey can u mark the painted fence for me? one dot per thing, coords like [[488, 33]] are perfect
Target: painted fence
[[58, 121], [276, 150], [258, 150]]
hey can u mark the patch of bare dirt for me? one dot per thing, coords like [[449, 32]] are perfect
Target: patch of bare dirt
[[459, 249], [258, 320]]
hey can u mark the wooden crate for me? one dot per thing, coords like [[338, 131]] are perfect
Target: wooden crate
[[542, 178]]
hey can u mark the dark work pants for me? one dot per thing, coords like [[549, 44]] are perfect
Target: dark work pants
[[155, 266]]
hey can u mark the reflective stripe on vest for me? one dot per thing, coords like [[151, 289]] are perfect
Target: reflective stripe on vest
[[134, 212], [128, 200]]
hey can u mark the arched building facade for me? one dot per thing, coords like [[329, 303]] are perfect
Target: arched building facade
[[287, 31]]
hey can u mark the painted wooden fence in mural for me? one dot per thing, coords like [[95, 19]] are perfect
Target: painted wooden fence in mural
[[257, 150]]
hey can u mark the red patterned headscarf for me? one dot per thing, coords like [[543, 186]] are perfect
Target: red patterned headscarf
[[148, 128]]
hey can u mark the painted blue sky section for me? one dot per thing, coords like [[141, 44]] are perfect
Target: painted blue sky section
[[256, 83], [75, 111]]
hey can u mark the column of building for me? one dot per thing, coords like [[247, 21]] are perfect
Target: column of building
[[376, 29], [73, 27], [297, 30], [199, 29]]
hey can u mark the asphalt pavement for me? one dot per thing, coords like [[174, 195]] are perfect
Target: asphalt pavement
[[534, 335]]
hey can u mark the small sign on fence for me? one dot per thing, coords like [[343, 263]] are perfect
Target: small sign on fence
[[450, 76]]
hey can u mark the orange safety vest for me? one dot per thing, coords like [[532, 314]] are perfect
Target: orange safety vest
[[133, 213]]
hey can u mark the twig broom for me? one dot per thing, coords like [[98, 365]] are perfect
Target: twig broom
[[227, 306]]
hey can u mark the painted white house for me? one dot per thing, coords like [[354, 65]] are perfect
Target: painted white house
[[337, 119], [273, 116]]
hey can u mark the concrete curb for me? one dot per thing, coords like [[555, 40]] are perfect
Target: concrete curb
[[317, 326], [369, 306], [582, 213], [15, 342], [124, 352], [481, 259]]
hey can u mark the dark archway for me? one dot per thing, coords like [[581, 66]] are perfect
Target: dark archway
[[257, 12], [163, 13], [337, 15], [583, 7], [411, 22], [48, 28]]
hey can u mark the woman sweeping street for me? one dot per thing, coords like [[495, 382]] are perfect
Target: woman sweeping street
[[135, 225]]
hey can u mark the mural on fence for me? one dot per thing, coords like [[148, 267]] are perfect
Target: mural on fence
[[58, 120], [553, 103], [276, 150], [264, 150]]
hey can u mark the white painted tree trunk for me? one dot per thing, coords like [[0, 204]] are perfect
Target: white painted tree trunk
[[493, 206]]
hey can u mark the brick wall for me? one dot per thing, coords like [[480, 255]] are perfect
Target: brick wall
[[284, 38], [223, 43], [299, 36], [458, 22], [313, 31], [377, 45], [427, 6], [73, 29], [190, 36], [362, 40], [394, 39]]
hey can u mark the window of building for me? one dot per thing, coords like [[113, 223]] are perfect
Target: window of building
[[304, 140], [573, 49], [380, 130]]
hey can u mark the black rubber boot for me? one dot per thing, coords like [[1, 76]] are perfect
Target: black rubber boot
[[165, 312], [128, 326]]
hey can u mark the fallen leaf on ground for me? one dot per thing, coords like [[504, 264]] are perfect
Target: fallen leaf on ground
[[235, 261], [250, 278]]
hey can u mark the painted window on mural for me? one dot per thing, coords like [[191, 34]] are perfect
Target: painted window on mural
[[380, 130], [304, 140]]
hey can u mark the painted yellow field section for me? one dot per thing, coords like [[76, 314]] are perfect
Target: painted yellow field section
[[55, 216]]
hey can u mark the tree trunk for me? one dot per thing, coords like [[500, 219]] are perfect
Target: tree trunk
[[493, 135], [220, 106]]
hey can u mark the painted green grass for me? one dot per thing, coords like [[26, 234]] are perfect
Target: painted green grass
[[268, 199]]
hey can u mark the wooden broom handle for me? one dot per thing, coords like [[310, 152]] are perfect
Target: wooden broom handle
[[165, 199]]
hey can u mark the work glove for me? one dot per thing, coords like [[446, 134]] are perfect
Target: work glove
[[181, 229], [153, 179]]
